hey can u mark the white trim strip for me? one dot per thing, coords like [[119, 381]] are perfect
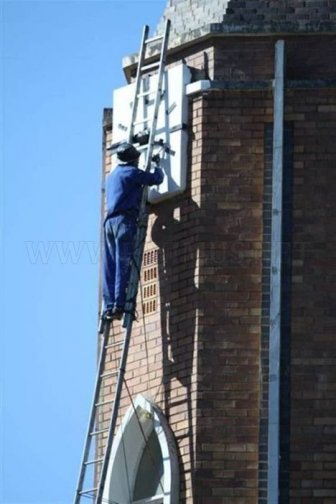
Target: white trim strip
[[197, 87], [275, 280]]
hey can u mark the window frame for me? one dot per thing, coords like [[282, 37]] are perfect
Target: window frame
[[129, 445]]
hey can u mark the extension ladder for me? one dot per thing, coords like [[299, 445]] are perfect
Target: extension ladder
[[94, 468]]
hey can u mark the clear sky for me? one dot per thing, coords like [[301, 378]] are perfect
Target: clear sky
[[60, 61]]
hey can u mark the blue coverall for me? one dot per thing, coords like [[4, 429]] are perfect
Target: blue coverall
[[123, 197]]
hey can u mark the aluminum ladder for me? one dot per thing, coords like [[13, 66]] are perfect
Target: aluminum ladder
[[93, 468]]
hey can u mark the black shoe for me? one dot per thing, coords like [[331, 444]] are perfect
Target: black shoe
[[108, 315], [117, 313]]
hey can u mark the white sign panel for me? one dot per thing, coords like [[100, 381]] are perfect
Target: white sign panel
[[170, 131]]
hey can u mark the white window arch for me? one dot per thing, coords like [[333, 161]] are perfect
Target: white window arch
[[143, 466]]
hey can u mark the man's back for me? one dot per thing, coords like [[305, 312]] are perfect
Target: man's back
[[124, 188]]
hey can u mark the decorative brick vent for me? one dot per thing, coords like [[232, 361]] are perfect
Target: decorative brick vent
[[150, 281], [150, 257]]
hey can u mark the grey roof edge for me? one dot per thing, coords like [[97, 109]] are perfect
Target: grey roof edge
[[242, 29]]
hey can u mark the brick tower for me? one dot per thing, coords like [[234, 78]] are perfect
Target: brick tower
[[208, 348]]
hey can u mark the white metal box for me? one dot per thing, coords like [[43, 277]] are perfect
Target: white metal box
[[171, 126]]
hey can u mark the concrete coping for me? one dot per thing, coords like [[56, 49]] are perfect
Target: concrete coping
[[242, 29]]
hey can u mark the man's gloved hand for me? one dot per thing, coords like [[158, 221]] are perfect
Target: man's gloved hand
[[156, 159]]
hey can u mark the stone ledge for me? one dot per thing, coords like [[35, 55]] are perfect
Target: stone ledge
[[244, 29]]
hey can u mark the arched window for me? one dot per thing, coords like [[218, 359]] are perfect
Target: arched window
[[143, 466]]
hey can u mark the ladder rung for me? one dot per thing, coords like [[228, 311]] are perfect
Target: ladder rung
[[145, 146], [97, 432], [150, 66], [106, 375], [103, 403], [86, 492], [142, 147], [146, 119], [153, 39], [146, 93], [95, 461], [113, 345], [182, 436]]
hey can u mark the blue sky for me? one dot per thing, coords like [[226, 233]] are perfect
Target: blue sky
[[60, 62]]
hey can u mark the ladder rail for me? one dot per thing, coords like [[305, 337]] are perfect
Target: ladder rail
[[162, 64], [135, 270], [131, 291], [142, 53], [92, 419], [114, 416]]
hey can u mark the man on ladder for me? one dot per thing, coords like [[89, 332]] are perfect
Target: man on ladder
[[124, 187], [125, 230]]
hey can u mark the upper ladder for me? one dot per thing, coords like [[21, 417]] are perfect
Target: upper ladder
[[95, 468]]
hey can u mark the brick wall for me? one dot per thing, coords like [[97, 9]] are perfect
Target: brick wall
[[230, 296], [244, 60], [201, 350], [313, 344], [252, 59]]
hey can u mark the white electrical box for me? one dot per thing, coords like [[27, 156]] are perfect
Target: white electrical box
[[171, 127]]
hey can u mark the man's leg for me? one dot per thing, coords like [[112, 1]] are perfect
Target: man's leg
[[125, 236], [109, 267]]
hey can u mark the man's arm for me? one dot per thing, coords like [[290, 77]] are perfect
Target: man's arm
[[147, 178]]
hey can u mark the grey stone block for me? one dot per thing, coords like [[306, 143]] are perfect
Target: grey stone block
[[193, 16]]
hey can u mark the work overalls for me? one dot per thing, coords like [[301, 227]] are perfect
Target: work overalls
[[119, 237]]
